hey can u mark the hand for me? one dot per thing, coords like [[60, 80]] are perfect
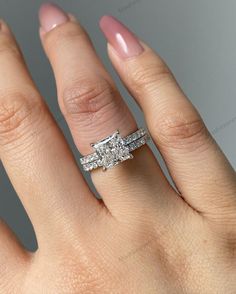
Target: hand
[[144, 237]]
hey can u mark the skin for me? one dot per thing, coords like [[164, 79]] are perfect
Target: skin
[[144, 237]]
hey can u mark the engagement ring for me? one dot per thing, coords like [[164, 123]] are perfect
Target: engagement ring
[[113, 150]]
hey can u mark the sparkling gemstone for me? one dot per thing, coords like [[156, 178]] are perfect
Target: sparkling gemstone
[[112, 150]]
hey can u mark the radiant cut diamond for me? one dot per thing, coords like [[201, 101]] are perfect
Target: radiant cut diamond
[[112, 151]]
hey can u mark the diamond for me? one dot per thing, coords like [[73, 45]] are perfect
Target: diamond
[[87, 167], [112, 151]]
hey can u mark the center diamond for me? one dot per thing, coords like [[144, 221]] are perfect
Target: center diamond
[[112, 151]]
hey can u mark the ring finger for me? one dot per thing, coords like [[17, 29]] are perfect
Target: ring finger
[[94, 109]]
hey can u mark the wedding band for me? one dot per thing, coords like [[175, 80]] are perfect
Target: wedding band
[[113, 150]]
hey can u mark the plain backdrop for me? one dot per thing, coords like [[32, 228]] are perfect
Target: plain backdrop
[[196, 38]]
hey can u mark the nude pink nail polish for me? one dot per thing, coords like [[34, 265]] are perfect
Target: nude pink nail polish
[[50, 16], [120, 37]]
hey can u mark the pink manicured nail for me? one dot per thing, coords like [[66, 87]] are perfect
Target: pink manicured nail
[[50, 16], [120, 37]]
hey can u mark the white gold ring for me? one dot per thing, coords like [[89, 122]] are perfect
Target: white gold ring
[[113, 150]]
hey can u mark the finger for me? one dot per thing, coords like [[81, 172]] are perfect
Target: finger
[[34, 152], [94, 109], [13, 260], [197, 165]]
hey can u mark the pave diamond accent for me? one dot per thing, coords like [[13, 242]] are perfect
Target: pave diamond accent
[[89, 158], [113, 150], [135, 136], [138, 143]]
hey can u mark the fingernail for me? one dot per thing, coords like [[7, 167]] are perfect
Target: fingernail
[[120, 37], [50, 16]]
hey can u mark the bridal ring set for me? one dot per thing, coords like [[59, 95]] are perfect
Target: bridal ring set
[[113, 150]]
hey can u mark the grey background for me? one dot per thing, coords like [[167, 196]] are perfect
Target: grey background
[[196, 38]]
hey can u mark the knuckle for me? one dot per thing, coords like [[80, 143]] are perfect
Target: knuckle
[[177, 131], [151, 75], [88, 98], [15, 115]]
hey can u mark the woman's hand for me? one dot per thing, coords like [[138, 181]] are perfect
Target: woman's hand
[[144, 237]]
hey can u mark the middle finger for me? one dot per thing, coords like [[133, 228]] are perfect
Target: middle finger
[[34, 152]]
